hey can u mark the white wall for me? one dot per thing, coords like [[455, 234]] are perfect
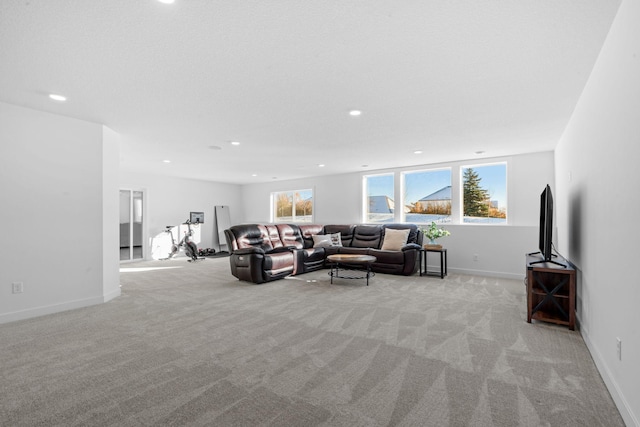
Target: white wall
[[597, 203], [337, 198], [170, 200], [500, 249], [52, 182], [110, 213]]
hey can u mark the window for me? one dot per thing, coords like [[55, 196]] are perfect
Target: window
[[292, 206], [378, 203], [427, 196], [484, 194], [477, 195]]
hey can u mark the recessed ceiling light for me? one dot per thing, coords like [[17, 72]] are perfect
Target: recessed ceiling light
[[215, 147], [320, 165], [167, 161], [417, 152], [355, 112], [57, 97], [166, 1], [254, 174], [234, 143]]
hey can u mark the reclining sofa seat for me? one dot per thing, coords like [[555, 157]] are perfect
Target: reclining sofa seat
[[305, 257], [262, 253], [257, 253], [368, 240]]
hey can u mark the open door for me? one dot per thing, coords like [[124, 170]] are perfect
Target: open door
[[131, 225]]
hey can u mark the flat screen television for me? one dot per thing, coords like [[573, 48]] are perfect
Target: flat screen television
[[545, 241]]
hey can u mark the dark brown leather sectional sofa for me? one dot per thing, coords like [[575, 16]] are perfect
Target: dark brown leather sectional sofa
[[265, 252]]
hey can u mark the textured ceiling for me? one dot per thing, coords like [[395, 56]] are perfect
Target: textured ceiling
[[446, 77]]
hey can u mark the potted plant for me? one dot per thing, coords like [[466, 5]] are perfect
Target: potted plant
[[433, 232]]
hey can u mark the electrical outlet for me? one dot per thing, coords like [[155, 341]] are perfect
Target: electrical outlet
[[17, 287], [619, 348], [475, 257]]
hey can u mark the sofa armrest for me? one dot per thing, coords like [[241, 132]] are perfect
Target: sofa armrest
[[247, 251], [410, 246], [247, 264], [281, 249]]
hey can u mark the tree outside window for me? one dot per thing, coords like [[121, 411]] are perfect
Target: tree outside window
[[484, 194], [293, 206]]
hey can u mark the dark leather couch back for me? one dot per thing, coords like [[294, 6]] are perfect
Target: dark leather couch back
[[346, 232], [248, 235], [309, 230], [367, 236], [415, 235], [290, 235], [274, 236]]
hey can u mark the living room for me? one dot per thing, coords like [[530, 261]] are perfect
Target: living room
[[67, 205]]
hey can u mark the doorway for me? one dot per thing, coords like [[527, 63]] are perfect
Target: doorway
[[131, 225]]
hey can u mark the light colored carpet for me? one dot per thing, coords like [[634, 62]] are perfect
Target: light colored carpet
[[188, 344]]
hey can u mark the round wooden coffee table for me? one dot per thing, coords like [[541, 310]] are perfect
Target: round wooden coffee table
[[351, 266]]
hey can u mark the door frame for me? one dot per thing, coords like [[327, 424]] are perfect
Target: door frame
[[144, 216]]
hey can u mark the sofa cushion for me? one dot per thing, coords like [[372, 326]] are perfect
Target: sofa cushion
[[346, 232], [396, 262], [308, 231], [351, 250], [332, 250], [278, 264], [313, 256], [388, 257], [367, 236], [394, 240], [308, 259], [251, 235], [290, 235], [322, 241], [274, 236], [415, 235]]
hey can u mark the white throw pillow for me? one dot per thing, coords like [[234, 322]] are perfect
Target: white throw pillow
[[321, 240], [336, 240], [394, 240]]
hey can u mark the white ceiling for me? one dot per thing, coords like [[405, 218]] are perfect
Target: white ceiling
[[446, 77]]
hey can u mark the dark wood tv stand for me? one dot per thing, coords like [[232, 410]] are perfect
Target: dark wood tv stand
[[551, 291]]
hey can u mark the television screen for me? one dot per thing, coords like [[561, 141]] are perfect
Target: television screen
[[545, 241], [196, 218]]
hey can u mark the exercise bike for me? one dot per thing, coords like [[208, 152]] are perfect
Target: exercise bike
[[166, 246], [190, 247]]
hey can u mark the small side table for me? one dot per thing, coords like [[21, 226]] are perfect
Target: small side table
[[443, 262]]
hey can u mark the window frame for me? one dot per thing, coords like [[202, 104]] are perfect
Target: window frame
[[506, 193], [404, 190], [365, 197], [294, 216]]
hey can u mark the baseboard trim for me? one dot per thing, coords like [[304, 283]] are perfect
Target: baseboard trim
[[618, 398], [499, 274], [111, 295], [51, 309]]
